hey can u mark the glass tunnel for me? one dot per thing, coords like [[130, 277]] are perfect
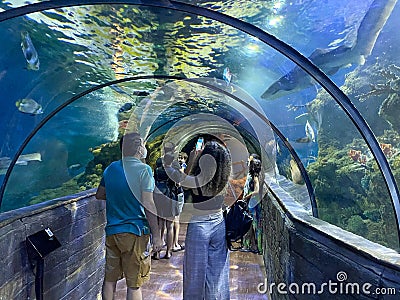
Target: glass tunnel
[[310, 86]]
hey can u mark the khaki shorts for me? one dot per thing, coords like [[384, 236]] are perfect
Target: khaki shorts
[[127, 255]]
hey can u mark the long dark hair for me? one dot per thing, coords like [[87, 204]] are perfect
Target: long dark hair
[[223, 168], [255, 167]]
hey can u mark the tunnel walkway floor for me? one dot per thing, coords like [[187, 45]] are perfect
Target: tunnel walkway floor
[[246, 272]]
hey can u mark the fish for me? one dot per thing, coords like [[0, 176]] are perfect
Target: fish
[[300, 119], [310, 131], [4, 162], [120, 91], [227, 76], [331, 60], [310, 135], [141, 93], [295, 80], [75, 169], [29, 106], [2, 74], [296, 107], [75, 166], [134, 93], [22, 160], [303, 140], [314, 117], [278, 148], [125, 107], [30, 53], [25, 158]]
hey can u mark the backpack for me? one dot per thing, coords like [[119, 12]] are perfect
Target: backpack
[[172, 203], [162, 180], [166, 186], [237, 222]]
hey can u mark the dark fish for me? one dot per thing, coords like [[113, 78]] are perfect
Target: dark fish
[[331, 60], [125, 107], [296, 107], [120, 90], [328, 60], [141, 93], [305, 139], [135, 93]]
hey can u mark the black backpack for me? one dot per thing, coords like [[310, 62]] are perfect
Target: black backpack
[[163, 183], [237, 222]]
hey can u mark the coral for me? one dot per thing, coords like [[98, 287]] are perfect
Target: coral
[[357, 225], [67, 188], [354, 155], [103, 155], [349, 186], [154, 150], [390, 110], [351, 194], [385, 89]]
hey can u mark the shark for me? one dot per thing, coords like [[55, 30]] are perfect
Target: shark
[[331, 60]]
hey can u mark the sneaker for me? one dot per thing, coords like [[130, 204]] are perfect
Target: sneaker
[[178, 248]]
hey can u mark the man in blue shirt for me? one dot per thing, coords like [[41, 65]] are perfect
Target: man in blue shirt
[[127, 186]]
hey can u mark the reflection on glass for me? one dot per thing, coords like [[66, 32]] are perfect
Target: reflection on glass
[[349, 186], [80, 47]]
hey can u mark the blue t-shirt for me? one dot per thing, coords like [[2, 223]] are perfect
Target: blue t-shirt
[[124, 181]]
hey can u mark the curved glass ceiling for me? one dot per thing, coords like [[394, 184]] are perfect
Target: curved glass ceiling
[[316, 145]]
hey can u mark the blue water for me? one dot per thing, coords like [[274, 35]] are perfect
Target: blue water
[[80, 48]]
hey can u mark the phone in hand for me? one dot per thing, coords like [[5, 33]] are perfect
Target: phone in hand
[[199, 144]]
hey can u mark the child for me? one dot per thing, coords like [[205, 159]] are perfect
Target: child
[[182, 160], [182, 157]]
